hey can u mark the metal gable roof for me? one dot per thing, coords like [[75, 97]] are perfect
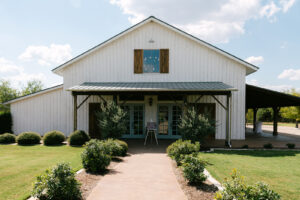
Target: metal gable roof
[[252, 68], [151, 86]]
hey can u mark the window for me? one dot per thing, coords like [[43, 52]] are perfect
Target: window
[[151, 61]]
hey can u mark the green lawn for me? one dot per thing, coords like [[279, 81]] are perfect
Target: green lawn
[[19, 165], [280, 169]]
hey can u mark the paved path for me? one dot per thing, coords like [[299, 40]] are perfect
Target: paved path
[[147, 176]]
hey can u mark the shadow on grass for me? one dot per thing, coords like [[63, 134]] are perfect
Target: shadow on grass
[[258, 153]]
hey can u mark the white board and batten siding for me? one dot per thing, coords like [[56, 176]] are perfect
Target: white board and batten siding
[[188, 61], [40, 113]]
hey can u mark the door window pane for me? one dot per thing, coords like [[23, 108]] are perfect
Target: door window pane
[[163, 120], [176, 114]]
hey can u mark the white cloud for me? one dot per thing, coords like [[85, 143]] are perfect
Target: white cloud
[[23, 77], [291, 74], [255, 60], [7, 66], [44, 55], [214, 20], [16, 74], [269, 10], [286, 4]]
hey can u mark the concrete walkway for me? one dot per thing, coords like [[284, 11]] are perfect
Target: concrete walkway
[[147, 176]]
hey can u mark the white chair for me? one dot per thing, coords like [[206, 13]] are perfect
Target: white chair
[[151, 128]]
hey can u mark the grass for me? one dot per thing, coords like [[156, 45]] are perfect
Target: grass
[[19, 166], [279, 169]]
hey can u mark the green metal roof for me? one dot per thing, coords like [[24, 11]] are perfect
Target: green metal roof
[[151, 86]]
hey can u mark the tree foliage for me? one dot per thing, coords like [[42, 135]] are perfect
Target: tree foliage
[[32, 87], [111, 120], [195, 127]]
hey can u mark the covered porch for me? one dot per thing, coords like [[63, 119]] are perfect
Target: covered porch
[[160, 102]]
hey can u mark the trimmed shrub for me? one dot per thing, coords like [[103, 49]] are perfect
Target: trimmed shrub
[[245, 146], [124, 146], [182, 147], [78, 138], [54, 138], [195, 127], [268, 146], [5, 122], [193, 168], [27, 138], [7, 138], [58, 183], [235, 188], [291, 145], [113, 147], [95, 157]]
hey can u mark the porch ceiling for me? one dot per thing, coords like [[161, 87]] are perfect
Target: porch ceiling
[[152, 87]]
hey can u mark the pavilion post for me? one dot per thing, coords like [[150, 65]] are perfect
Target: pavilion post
[[254, 120], [228, 113], [74, 112], [275, 120]]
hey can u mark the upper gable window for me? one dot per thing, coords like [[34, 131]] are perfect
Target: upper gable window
[[151, 61]]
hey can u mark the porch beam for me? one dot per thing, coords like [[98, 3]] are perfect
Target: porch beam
[[83, 101], [74, 112], [102, 99], [217, 100], [198, 99]]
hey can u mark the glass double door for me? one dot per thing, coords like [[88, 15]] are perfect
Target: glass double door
[[168, 118], [135, 115]]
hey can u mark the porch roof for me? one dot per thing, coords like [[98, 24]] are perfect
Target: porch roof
[[152, 87]]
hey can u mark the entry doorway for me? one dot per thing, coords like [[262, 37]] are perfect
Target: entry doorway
[[168, 116]]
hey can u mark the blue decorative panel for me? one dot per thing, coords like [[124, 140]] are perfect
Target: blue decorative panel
[[151, 61]]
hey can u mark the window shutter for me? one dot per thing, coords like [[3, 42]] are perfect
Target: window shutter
[[164, 61], [138, 61]]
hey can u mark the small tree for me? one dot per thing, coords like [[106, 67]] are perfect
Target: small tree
[[195, 127], [111, 120]]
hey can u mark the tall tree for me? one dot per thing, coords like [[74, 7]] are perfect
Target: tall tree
[[32, 87], [6, 93]]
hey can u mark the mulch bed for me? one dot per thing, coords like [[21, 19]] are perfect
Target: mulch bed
[[89, 181], [205, 191]]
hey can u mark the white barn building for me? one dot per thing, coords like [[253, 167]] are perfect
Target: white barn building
[[152, 69]]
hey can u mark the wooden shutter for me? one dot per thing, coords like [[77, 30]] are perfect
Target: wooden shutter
[[138, 61], [164, 61]]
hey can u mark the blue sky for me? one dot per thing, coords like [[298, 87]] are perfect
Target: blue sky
[[38, 35]]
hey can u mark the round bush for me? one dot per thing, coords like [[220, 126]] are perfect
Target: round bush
[[95, 158], [78, 138], [28, 138], [53, 138], [58, 183], [113, 147], [180, 147], [7, 138], [193, 169], [124, 146]]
